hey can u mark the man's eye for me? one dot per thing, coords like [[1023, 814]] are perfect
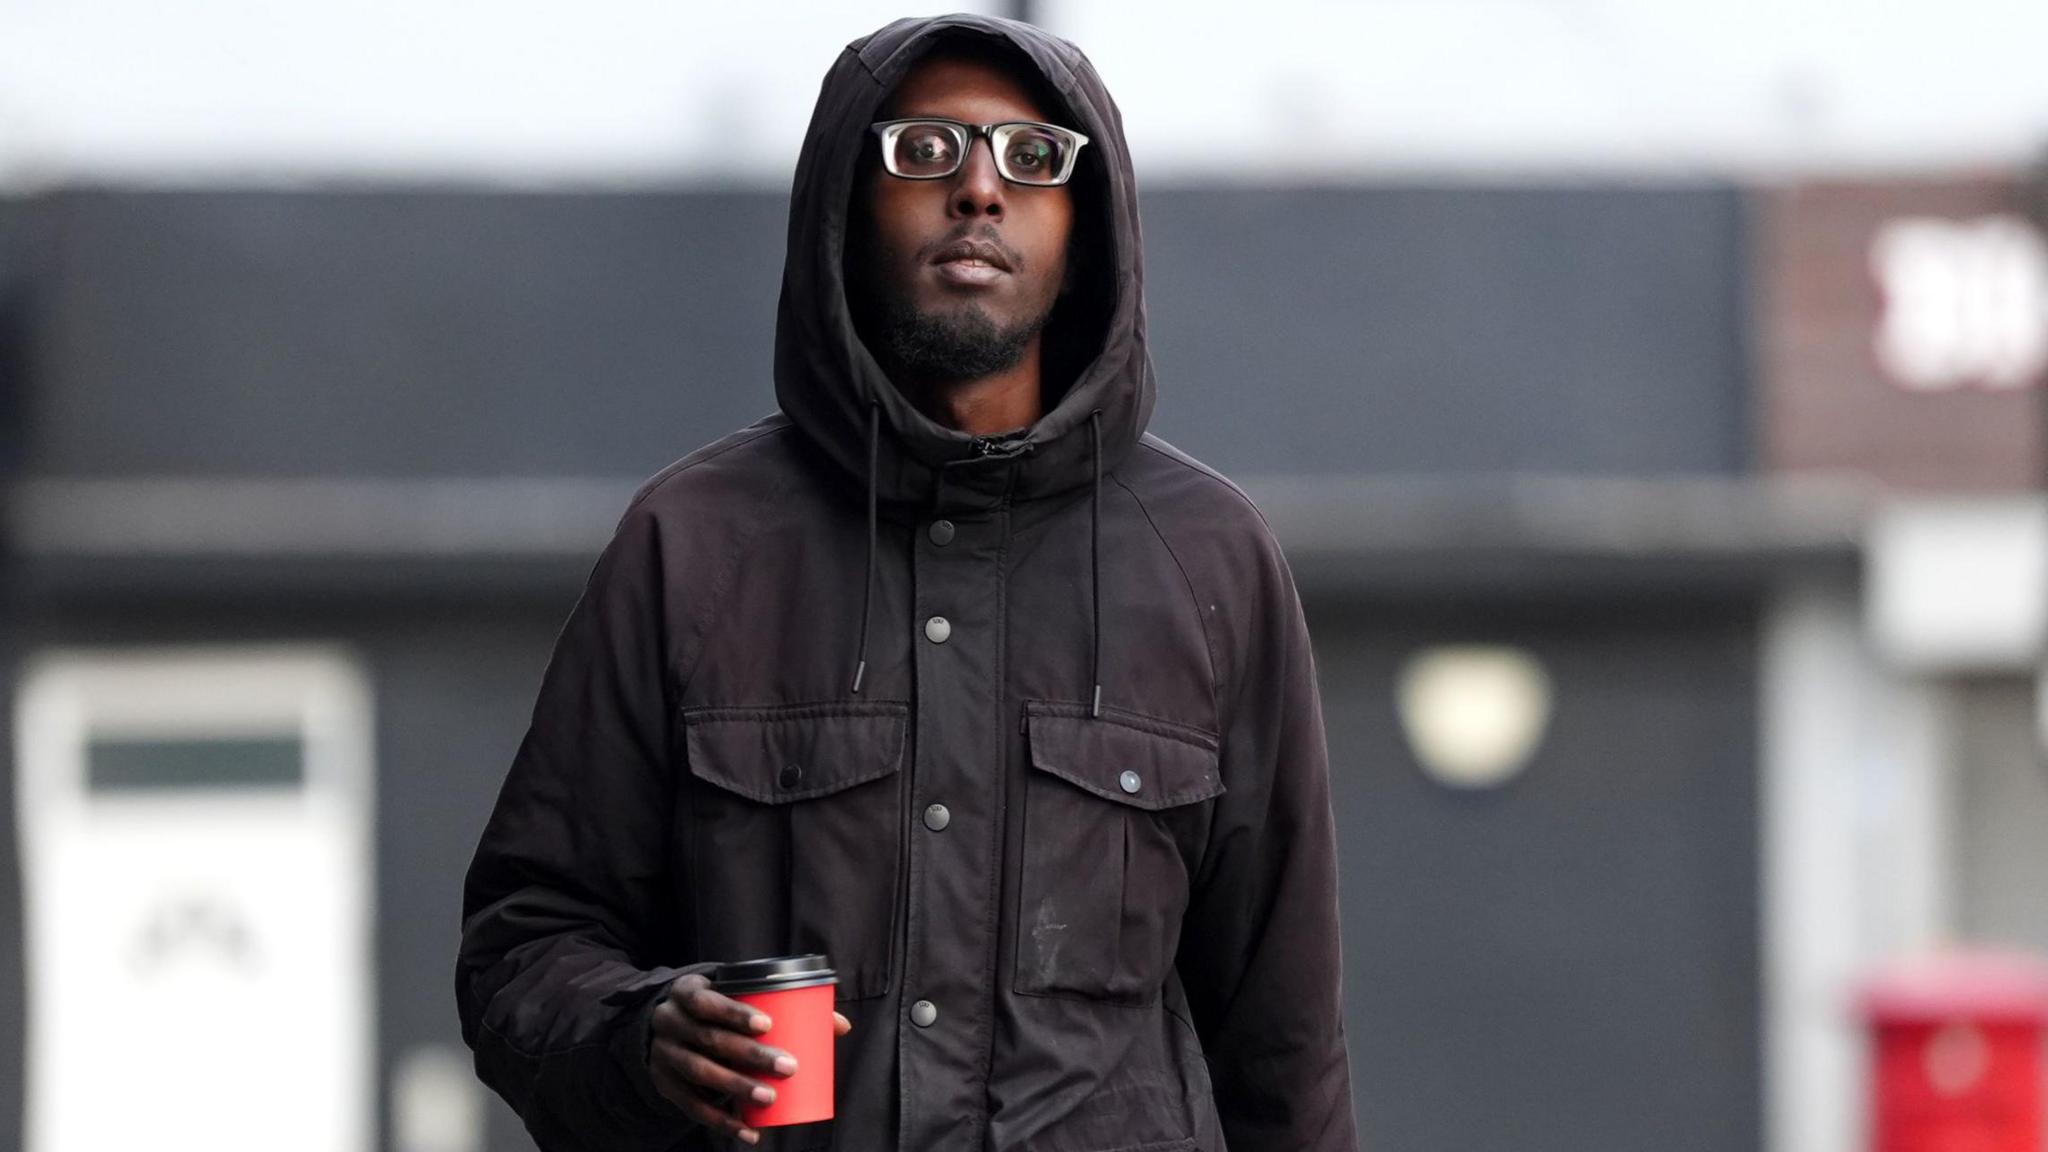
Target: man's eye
[[1034, 153], [929, 148]]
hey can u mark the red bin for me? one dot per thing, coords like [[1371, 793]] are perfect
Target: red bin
[[1956, 1044]]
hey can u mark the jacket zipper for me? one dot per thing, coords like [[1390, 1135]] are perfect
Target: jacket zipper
[[1001, 448]]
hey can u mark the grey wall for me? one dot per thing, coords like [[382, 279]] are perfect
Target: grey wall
[[13, 986], [1568, 962], [1450, 330], [15, 280], [2000, 811], [1362, 330], [399, 334]]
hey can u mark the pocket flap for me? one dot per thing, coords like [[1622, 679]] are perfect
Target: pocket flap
[[779, 753], [1173, 764]]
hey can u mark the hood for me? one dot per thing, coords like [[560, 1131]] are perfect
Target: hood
[[830, 385]]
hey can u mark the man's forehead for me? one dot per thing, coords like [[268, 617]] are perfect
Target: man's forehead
[[970, 88]]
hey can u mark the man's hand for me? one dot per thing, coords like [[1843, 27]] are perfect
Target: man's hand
[[701, 1042]]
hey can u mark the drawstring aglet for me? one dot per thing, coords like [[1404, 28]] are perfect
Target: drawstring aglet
[[867, 596], [1095, 557]]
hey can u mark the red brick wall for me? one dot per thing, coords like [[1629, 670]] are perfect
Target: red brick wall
[[1824, 403]]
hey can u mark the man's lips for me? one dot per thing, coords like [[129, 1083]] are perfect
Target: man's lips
[[967, 271], [971, 262], [972, 251]]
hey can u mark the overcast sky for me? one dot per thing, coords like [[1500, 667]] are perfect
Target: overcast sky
[[656, 91]]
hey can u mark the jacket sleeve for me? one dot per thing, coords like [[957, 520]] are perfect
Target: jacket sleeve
[[1259, 954], [567, 896]]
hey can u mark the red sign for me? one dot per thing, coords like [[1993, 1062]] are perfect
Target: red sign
[[1956, 1045]]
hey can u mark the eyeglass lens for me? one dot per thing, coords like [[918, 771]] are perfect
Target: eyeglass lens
[[1024, 153]]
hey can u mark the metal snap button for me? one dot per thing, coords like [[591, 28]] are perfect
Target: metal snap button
[[941, 532], [790, 774], [936, 817], [938, 629], [1128, 781], [924, 1013]]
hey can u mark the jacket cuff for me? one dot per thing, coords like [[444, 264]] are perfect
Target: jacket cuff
[[634, 1039]]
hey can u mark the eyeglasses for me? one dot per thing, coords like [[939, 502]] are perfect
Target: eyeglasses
[[1025, 151]]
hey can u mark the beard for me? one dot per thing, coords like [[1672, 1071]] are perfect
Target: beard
[[941, 347]]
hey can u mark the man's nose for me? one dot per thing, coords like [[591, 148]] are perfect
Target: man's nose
[[978, 187]]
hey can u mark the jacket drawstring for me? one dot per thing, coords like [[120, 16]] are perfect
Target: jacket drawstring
[[1095, 553], [867, 600]]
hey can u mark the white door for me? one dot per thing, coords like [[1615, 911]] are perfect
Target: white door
[[195, 830]]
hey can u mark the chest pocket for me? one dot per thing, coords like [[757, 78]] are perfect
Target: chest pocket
[[1114, 811], [794, 838]]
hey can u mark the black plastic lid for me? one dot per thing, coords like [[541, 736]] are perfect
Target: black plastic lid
[[773, 973]]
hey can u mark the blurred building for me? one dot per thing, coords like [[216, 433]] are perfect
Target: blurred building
[[1901, 342], [394, 429], [1675, 550]]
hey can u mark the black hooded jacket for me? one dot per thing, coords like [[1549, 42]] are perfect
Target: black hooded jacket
[[1026, 731]]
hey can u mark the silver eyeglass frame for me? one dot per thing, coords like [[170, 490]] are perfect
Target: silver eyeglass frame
[[964, 135]]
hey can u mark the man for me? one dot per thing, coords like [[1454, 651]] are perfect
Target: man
[[945, 670]]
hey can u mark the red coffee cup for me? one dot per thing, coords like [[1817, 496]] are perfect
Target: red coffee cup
[[796, 994]]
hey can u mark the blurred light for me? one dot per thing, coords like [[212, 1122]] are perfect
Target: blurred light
[[1957, 1057], [436, 1102], [1474, 714]]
